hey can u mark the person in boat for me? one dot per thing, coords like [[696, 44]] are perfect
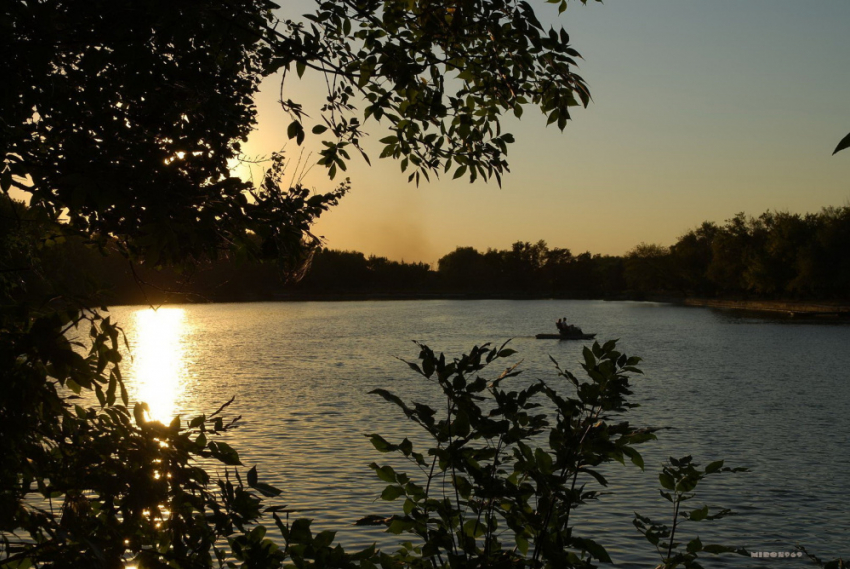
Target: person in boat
[[565, 328]]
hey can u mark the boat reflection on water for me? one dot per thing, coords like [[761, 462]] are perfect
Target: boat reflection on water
[[158, 370]]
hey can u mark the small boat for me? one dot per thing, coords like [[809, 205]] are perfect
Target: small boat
[[567, 336], [566, 332]]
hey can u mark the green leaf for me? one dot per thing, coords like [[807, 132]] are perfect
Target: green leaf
[[390, 397], [687, 484], [408, 506], [6, 180], [595, 549], [544, 461], [125, 397], [323, 539], [257, 534], [599, 478], [25, 563], [694, 545], [428, 364], [380, 443], [717, 549], [110, 390], [589, 360], [845, 143], [398, 526], [295, 130], [521, 543], [392, 492], [460, 426], [634, 455], [284, 530], [385, 473], [667, 481], [300, 531], [714, 467], [225, 453], [699, 514], [267, 489], [473, 528]]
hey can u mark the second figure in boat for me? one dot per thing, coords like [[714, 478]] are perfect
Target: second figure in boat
[[566, 329]]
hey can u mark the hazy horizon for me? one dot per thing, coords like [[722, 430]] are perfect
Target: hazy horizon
[[574, 251]]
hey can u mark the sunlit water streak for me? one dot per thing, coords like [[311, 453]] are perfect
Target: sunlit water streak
[[771, 395], [159, 363]]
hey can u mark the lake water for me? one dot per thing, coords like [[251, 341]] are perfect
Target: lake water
[[772, 395]]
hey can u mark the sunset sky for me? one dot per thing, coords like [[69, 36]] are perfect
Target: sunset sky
[[701, 109]]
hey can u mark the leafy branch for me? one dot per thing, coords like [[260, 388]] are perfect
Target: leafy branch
[[502, 499], [679, 478]]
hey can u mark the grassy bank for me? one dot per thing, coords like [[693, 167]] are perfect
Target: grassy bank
[[791, 308]]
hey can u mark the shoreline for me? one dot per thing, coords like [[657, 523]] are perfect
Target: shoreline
[[820, 308], [794, 309]]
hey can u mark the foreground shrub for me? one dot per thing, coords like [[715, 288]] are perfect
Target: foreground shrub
[[507, 467]]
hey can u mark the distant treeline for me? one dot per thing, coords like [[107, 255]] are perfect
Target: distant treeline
[[774, 256]]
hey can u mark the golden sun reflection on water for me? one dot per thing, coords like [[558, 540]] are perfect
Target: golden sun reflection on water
[[159, 371]]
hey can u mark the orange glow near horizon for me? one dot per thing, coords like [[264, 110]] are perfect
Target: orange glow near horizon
[[696, 116]]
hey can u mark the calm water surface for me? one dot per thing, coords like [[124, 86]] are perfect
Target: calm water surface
[[770, 395]]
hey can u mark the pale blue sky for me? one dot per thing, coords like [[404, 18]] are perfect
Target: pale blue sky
[[702, 109]]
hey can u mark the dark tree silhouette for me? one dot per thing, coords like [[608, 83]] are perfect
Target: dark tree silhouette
[[120, 121]]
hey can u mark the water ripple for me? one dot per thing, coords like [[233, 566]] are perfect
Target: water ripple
[[770, 395]]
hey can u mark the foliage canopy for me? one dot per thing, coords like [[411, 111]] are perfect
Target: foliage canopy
[[128, 118]]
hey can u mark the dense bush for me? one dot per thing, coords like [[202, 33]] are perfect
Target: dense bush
[[510, 461]]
